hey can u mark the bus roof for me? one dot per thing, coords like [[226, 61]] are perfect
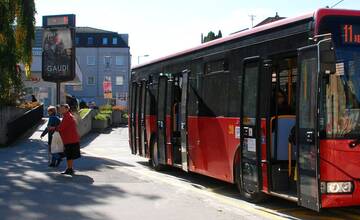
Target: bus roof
[[318, 15]]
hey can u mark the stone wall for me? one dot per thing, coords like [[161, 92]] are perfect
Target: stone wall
[[85, 124], [7, 114]]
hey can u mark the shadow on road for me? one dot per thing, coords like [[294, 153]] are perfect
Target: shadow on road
[[31, 190]]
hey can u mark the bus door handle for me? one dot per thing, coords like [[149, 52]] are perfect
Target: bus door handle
[[160, 124], [310, 137], [183, 125]]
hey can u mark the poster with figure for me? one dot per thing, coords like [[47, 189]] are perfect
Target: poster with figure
[[58, 62], [107, 87]]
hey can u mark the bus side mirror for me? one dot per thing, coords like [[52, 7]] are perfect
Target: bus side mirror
[[327, 58]]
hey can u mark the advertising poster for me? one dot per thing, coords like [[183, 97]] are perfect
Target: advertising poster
[[58, 61], [107, 89]]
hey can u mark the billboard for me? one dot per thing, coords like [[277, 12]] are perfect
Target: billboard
[[58, 56]]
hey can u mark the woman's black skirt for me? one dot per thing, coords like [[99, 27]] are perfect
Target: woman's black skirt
[[72, 151]]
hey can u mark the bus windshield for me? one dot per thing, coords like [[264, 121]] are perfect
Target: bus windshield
[[341, 101]]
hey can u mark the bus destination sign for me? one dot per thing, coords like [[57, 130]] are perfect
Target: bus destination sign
[[350, 34]]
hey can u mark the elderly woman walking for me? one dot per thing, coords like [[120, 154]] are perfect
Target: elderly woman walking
[[70, 137]]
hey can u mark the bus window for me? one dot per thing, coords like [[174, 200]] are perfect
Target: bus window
[[284, 88], [342, 97]]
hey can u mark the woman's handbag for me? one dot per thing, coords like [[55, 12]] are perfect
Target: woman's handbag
[[57, 145]]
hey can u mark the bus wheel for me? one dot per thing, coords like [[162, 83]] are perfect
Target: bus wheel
[[154, 161], [253, 197]]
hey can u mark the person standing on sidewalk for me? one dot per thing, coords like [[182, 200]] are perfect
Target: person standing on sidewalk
[[54, 121], [69, 134]]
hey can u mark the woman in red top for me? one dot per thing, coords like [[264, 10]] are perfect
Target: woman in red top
[[70, 137]]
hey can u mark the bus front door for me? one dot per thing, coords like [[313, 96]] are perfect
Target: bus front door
[[249, 128], [161, 119], [183, 119], [307, 128], [133, 118]]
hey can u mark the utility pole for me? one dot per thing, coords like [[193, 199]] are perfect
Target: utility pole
[[252, 18]]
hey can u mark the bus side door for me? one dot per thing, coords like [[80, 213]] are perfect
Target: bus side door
[[133, 118], [250, 139], [161, 119], [142, 136], [307, 128], [183, 119]]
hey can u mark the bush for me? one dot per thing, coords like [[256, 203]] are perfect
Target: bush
[[105, 108], [84, 112], [102, 117]]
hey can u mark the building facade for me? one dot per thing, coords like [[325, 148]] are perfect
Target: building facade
[[104, 58], [101, 56]]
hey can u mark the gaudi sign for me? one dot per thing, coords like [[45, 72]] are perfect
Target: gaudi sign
[[58, 55]]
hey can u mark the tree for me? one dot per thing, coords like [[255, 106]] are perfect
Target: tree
[[17, 30], [211, 36]]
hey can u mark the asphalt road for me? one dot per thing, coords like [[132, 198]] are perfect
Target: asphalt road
[[110, 183]]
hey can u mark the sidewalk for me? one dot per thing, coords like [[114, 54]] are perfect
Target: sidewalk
[[29, 189], [101, 189]]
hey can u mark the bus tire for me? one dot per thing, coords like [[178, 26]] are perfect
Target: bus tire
[[154, 159], [253, 197]]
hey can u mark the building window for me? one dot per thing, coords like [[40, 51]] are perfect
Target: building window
[[107, 78], [114, 41], [120, 60], [91, 80], [77, 40], [90, 41], [107, 61], [90, 60], [120, 80], [105, 40]]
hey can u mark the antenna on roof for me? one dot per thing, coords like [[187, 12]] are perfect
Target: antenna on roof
[[252, 18], [337, 3]]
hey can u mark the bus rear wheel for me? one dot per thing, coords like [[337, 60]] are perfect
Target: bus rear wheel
[[154, 161], [250, 196]]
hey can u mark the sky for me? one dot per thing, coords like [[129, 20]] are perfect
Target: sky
[[160, 27]]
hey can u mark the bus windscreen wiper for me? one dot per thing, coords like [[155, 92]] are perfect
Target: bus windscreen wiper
[[355, 143]]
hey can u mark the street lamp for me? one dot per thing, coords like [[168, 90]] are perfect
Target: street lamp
[[146, 55]]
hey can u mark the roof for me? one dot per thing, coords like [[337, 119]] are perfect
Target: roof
[[317, 16], [270, 20], [93, 30], [229, 38], [123, 40]]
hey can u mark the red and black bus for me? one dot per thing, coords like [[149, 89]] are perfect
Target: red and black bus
[[274, 110]]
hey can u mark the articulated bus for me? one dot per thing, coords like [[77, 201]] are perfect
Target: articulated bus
[[274, 109]]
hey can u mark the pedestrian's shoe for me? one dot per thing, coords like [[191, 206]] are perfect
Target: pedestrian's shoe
[[68, 172]]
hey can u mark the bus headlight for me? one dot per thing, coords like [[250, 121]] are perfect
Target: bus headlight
[[339, 187]]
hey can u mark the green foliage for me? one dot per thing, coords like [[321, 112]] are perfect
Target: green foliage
[[83, 112], [125, 115], [17, 24], [212, 36], [105, 108], [102, 117]]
